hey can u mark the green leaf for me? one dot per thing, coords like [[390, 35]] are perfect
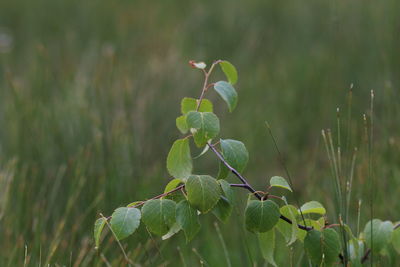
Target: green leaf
[[187, 218], [203, 192], [313, 207], [190, 104], [317, 225], [228, 94], [223, 171], [98, 228], [124, 221], [224, 207], [322, 247], [230, 71], [267, 245], [396, 239], [289, 231], [174, 183], [277, 181], [235, 153], [261, 216], [380, 235], [356, 251], [159, 215], [206, 125], [181, 124], [179, 160], [133, 204]]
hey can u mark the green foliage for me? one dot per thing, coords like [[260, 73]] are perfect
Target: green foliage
[[124, 222], [224, 207], [228, 94], [159, 215], [267, 246], [179, 160], [98, 229], [190, 104], [313, 207], [396, 239], [203, 192], [261, 216], [187, 218], [230, 71], [379, 235], [181, 124], [235, 153], [277, 181], [289, 231], [205, 126], [322, 247]]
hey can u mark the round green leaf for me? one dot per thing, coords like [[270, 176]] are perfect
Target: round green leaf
[[159, 215], [98, 228], [124, 221], [203, 192], [230, 71], [261, 216], [322, 247], [313, 207], [228, 94], [380, 235], [235, 153], [267, 246], [179, 160], [190, 104], [277, 181], [181, 124], [187, 218], [206, 125]]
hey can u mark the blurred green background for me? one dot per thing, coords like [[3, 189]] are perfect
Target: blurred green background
[[89, 93]]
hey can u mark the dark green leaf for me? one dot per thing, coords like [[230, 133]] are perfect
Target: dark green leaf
[[228, 94], [124, 221], [235, 153], [261, 216], [187, 218], [190, 104], [159, 215], [205, 125], [203, 192], [98, 228], [322, 247], [179, 160]]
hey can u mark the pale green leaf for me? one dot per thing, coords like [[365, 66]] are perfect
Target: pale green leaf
[[323, 247], [159, 215], [124, 221], [133, 204], [235, 153], [205, 125], [267, 245], [187, 218], [179, 160], [172, 231], [181, 124], [190, 104], [174, 183], [381, 234], [230, 71], [313, 207], [289, 231], [98, 229], [228, 94], [203, 192], [200, 65], [396, 239], [277, 181], [261, 216]]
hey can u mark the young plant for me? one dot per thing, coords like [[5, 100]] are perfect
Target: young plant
[[188, 195]]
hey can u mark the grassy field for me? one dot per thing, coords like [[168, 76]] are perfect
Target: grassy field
[[89, 93]]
